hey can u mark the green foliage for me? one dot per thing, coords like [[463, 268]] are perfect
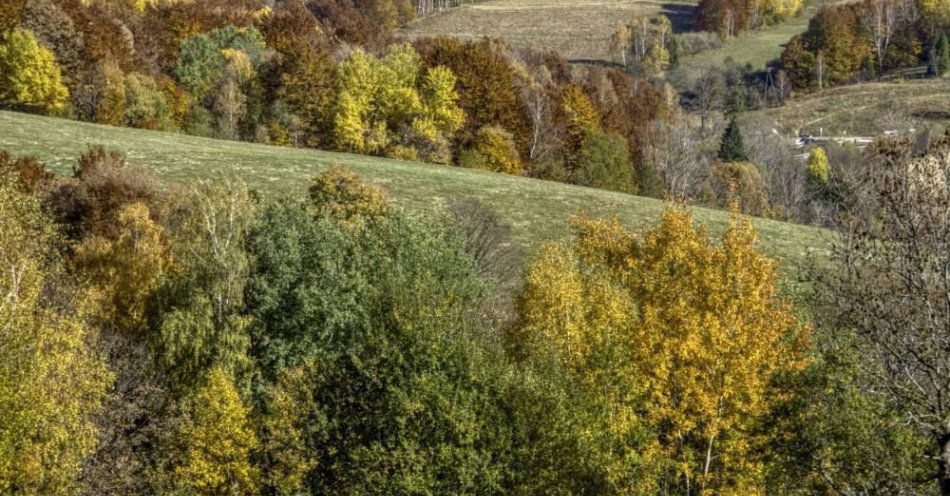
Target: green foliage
[[604, 162], [50, 381], [201, 58], [284, 426], [146, 105], [202, 325], [731, 147], [384, 313], [835, 435], [943, 55], [29, 76]]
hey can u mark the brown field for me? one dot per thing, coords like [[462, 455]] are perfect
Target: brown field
[[867, 109], [579, 29]]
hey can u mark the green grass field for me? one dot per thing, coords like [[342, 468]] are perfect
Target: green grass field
[[755, 48], [538, 210]]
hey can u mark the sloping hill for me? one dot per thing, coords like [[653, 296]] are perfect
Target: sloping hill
[[866, 109], [578, 29], [538, 210]]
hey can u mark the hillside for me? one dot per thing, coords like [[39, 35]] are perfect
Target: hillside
[[538, 210], [578, 29], [867, 109], [755, 48]]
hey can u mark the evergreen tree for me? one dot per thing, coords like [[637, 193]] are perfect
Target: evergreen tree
[[943, 55], [732, 149]]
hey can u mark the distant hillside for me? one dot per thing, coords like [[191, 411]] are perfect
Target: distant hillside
[[867, 109], [578, 29], [538, 210]]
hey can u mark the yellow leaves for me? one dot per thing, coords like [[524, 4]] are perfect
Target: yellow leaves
[[695, 325], [29, 75], [238, 63], [49, 381], [379, 99], [494, 150], [218, 440], [344, 195], [124, 271]]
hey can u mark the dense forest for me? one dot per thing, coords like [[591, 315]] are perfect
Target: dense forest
[[200, 340], [206, 339]]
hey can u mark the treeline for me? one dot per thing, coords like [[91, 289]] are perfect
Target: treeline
[[864, 40], [329, 75], [199, 339], [729, 18]]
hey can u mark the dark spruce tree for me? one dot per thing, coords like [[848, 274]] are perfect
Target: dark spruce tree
[[732, 149], [943, 55]]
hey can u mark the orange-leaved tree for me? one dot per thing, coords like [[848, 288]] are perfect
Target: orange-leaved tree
[[682, 335]]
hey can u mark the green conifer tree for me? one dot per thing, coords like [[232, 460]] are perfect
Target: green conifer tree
[[943, 55], [732, 148]]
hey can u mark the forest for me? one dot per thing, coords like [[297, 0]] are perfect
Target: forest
[[202, 338]]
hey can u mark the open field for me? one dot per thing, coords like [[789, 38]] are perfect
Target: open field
[[755, 48], [538, 210], [866, 109], [579, 29]]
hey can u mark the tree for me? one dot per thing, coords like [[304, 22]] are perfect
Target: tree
[[943, 55], [741, 183], [672, 149], [495, 150], [817, 169], [110, 97], [401, 396], [217, 442], [604, 163], [287, 460], [342, 194], [385, 107], [50, 381], [620, 41], [202, 325], [731, 148], [10, 12], [126, 268], [708, 90], [146, 105], [690, 333], [202, 58], [890, 285], [28, 74]]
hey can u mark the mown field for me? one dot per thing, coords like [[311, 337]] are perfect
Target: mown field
[[867, 109], [538, 210], [578, 29]]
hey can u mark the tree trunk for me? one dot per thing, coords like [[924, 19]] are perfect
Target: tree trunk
[[944, 464]]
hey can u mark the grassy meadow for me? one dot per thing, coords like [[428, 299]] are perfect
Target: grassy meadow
[[578, 29], [538, 210], [866, 109]]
